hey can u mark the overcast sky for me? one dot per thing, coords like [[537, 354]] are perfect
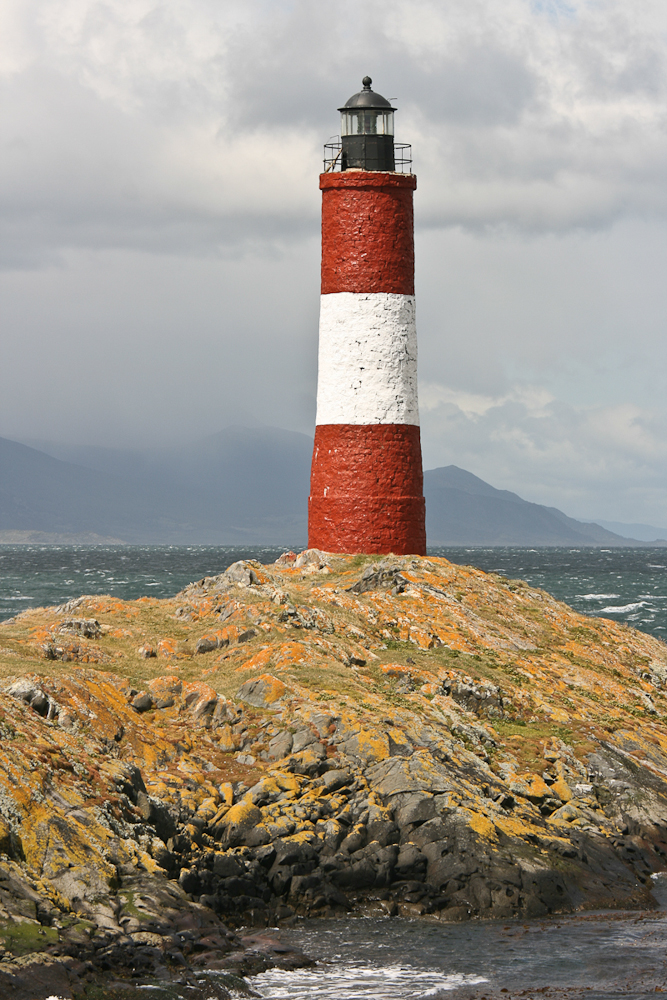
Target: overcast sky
[[160, 216]]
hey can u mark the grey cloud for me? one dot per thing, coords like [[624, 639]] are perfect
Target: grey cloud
[[136, 125], [586, 460]]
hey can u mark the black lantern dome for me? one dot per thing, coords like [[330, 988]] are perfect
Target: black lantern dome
[[367, 131]]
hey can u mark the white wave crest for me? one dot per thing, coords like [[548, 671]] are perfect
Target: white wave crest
[[623, 609], [350, 982], [597, 597]]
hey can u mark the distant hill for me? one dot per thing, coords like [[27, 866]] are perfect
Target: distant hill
[[240, 486], [41, 493], [645, 532], [462, 509]]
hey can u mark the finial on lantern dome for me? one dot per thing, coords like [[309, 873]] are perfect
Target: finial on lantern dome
[[367, 82]]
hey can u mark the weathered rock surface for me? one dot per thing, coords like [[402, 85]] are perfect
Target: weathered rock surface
[[314, 737]]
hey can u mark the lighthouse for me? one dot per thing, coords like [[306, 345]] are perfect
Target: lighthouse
[[366, 487]]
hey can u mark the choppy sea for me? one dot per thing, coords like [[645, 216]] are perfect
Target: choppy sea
[[595, 956], [627, 585]]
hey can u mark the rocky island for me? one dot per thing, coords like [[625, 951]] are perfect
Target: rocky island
[[326, 735]]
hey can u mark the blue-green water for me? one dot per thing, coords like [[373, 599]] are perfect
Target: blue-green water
[[627, 585], [595, 956]]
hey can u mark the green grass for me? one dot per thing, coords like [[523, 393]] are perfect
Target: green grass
[[25, 937]]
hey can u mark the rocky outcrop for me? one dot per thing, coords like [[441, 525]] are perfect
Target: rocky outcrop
[[321, 736]]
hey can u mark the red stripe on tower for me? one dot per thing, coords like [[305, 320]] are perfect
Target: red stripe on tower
[[366, 479]]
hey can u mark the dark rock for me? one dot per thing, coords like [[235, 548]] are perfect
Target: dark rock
[[378, 577], [89, 628], [227, 866], [415, 807], [301, 883], [259, 837], [290, 852], [190, 882], [207, 644], [360, 875], [36, 976], [384, 831], [302, 739], [241, 887], [280, 746], [135, 778], [546, 888], [31, 694], [431, 830], [333, 780], [265, 855], [480, 697], [448, 869], [157, 814], [410, 863], [238, 823], [142, 702], [354, 840], [456, 913]]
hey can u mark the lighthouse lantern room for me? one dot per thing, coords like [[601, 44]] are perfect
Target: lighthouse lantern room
[[367, 131], [366, 490]]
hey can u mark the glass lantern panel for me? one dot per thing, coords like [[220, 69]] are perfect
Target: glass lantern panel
[[367, 122], [386, 123]]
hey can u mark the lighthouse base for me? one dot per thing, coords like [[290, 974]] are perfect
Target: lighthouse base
[[367, 489]]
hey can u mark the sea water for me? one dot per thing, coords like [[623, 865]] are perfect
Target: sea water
[[601, 955], [626, 585]]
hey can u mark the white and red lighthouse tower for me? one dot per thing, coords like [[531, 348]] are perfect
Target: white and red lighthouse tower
[[366, 489]]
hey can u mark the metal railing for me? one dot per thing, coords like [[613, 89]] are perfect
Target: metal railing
[[333, 156]]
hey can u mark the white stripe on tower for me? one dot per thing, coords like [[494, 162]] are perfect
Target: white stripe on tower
[[367, 359]]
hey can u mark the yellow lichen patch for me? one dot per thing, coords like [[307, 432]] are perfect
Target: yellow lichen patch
[[480, 823], [395, 670], [568, 813], [225, 739], [289, 653], [274, 689], [561, 788], [258, 661], [165, 687], [528, 786], [166, 648], [373, 743]]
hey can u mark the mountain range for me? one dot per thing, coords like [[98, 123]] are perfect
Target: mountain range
[[241, 486]]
